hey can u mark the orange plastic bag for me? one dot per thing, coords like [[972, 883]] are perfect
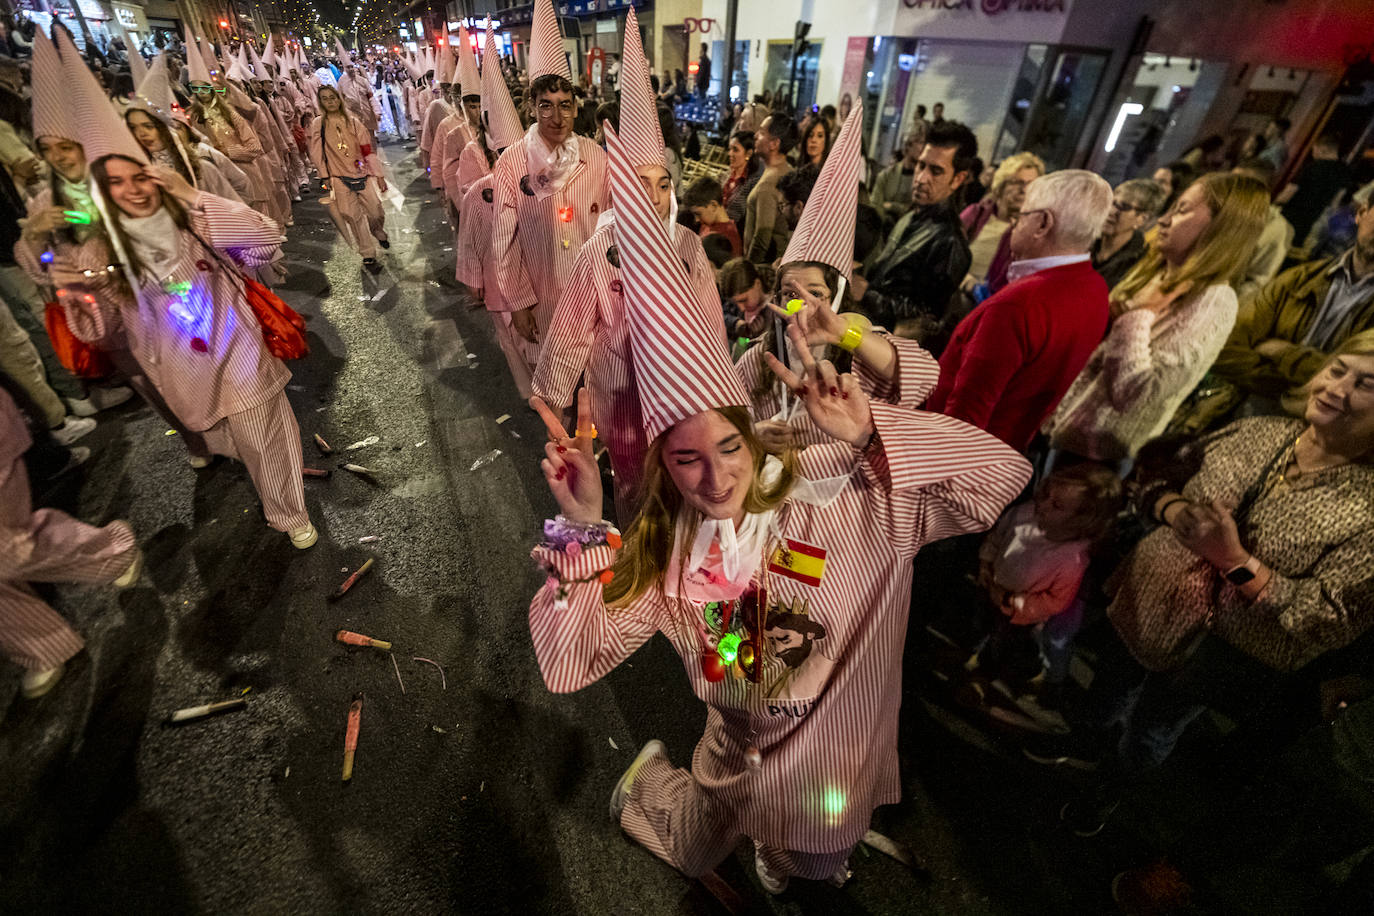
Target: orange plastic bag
[[80, 358], [282, 326]]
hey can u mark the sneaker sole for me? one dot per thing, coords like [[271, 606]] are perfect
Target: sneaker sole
[[621, 793]]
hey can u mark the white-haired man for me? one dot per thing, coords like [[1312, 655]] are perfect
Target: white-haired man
[[1011, 360]]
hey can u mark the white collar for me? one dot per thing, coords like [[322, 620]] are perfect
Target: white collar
[[1021, 269]]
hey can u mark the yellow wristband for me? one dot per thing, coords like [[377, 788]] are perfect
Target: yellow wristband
[[851, 337]]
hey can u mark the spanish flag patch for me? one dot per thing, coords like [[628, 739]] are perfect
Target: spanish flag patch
[[799, 561]]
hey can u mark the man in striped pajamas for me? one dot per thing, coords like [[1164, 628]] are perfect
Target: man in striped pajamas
[[549, 188], [46, 546]]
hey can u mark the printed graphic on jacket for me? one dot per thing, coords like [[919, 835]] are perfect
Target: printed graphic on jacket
[[788, 659]]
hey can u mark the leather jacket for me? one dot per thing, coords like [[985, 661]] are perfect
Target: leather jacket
[[919, 269]]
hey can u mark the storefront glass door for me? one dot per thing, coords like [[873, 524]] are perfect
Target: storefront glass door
[[1054, 90]]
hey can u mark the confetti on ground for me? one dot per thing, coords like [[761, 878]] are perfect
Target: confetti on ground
[[421, 443], [369, 538], [170, 432], [613, 744], [364, 443], [503, 418]]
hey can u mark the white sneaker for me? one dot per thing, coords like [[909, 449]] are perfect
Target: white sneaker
[[99, 399], [72, 428], [773, 884], [130, 575], [36, 683], [304, 536], [621, 793], [199, 461]]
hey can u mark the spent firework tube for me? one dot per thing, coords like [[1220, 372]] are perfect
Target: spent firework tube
[[322, 445], [358, 639], [352, 580], [316, 472], [355, 722], [192, 713]]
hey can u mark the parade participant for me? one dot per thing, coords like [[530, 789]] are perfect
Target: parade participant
[[46, 545], [149, 119], [214, 118], [439, 140], [457, 143], [550, 188], [63, 212], [476, 267], [815, 274], [476, 159], [351, 175], [784, 584], [180, 299], [356, 90], [435, 109], [589, 331], [245, 100]]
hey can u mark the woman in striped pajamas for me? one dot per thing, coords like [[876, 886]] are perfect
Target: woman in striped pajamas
[[179, 298], [46, 546], [342, 152], [784, 584]]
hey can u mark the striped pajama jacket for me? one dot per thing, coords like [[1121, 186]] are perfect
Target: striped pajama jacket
[[477, 270], [470, 165], [536, 242], [590, 332], [824, 711], [44, 546]]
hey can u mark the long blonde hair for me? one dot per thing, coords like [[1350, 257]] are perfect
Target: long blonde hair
[[648, 543], [1239, 205]]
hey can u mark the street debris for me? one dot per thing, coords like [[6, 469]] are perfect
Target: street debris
[[358, 639], [503, 418], [421, 443], [895, 850], [355, 721], [613, 744], [353, 579], [363, 472], [322, 445], [442, 731], [369, 539], [194, 713], [486, 459], [316, 472], [364, 443], [443, 680], [398, 674]]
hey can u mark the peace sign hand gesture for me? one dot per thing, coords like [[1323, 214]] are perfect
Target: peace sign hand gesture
[[836, 403], [569, 464]]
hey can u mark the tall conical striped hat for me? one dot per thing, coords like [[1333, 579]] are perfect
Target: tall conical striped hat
[[138, 67], [259, 71], [52, 111], [503, 122], [640, 135], [825, 233], [103, 131], [681, 364], [467, 74], [155, 89], [446, 63], [197, 70], [269, 53], [546, 44], [341, 52]]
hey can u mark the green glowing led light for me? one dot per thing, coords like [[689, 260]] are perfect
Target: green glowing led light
[[179, 288], [78, 217], [728, 647], [834, 801]]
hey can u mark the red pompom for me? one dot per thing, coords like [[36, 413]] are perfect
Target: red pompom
[[712, 668], [365, 150], [199, 345]]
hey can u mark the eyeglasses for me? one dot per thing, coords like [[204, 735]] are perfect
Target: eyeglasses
[[1120, 207], [546, 107]]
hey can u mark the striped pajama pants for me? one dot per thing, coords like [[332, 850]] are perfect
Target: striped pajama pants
[[268, 441], [672, 816], [359, 216], [48, 546]]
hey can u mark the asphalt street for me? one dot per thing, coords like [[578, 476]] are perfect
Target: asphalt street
[[475, 790]]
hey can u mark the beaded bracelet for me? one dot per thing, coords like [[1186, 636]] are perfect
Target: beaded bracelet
[[569, 537]]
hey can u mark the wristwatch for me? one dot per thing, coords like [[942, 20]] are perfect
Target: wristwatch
[[1243, 573]]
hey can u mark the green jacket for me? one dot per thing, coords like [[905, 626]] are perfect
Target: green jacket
[[1283, 310]]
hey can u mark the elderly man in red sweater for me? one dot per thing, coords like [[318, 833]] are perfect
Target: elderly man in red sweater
[[1011, 360]]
